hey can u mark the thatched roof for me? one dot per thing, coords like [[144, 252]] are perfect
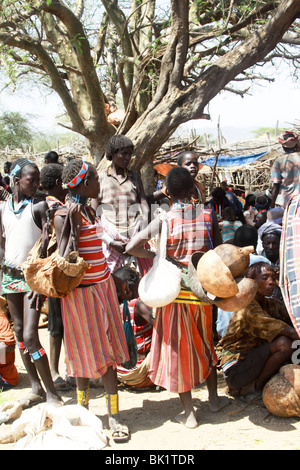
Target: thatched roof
[[252, 177]]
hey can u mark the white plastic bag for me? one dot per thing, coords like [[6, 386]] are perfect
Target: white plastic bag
[[69, 427], [162, 284]]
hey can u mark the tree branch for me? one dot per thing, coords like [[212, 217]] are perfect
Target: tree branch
[[83, 54], [33, 47]]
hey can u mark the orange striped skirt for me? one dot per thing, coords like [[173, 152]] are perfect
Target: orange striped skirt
[[94, 338], [182, 351]]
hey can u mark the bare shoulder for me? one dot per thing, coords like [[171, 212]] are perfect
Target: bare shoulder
[[40, 205]]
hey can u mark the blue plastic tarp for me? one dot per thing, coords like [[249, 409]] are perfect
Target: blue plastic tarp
[[233, 161]]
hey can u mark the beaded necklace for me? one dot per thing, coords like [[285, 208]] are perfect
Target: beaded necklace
[[77, 199], [86, 211], [21, 208], [179, 204]]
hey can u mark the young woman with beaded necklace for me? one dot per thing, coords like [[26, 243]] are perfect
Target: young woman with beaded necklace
[[22, 218], [93, 332]]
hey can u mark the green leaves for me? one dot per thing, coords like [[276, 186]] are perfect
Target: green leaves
[[15, 131]]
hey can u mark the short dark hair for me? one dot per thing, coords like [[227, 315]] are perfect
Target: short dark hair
[[250, 200], [117, 142], [50, 174], [276, 232], [262, 202], [127, 274], [229, 210], [52, 155], [246, 235], [182, 155], [218, 193], [179, 182], [255, 269]]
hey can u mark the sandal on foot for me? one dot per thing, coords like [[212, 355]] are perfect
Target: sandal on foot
[[30, 400], [71, 381], [119, 432], [61, 385]]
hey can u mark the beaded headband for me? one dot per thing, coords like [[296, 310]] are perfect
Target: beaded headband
[[19, 166], [78, 178]]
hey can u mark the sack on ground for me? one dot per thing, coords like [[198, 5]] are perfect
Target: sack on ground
[[70, 427]]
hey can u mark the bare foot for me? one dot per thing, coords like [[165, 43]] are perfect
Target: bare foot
[[189, 420], [218, 403], [54, 399]]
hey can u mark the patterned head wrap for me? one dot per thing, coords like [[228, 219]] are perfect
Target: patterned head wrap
[[17, 167], [289, 139], [269, 227], [78, 178]]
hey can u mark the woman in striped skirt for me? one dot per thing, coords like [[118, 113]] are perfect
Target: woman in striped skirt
[[182, 351], [93, 332]]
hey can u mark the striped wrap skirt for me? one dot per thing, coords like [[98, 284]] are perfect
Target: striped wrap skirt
[[182, 351], [289, 277], [94, 338]]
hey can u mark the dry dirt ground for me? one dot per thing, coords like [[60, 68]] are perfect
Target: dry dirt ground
[[149, 415]]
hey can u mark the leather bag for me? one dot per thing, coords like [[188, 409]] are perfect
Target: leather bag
[[45, 270]]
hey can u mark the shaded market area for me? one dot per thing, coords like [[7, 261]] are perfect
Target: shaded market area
[[222, 283]]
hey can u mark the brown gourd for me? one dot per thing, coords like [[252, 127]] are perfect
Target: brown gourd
[[247, 291], [215, 277], [218, 268], [236, 258], [281, 395]]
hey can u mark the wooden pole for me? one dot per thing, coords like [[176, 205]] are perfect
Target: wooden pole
[[214, 171]]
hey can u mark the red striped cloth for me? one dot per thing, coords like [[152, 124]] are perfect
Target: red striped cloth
[[182, 351], [90, 248], [189, 235], [94, 338], [143, 334]]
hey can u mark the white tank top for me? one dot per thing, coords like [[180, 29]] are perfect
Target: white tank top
[[20, 232]]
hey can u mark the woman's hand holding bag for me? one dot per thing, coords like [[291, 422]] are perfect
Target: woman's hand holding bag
[[162, 284]]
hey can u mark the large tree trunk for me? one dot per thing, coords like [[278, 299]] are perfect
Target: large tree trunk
[[173, 104]]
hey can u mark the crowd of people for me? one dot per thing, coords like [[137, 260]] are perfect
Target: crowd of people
[[180, 345]]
